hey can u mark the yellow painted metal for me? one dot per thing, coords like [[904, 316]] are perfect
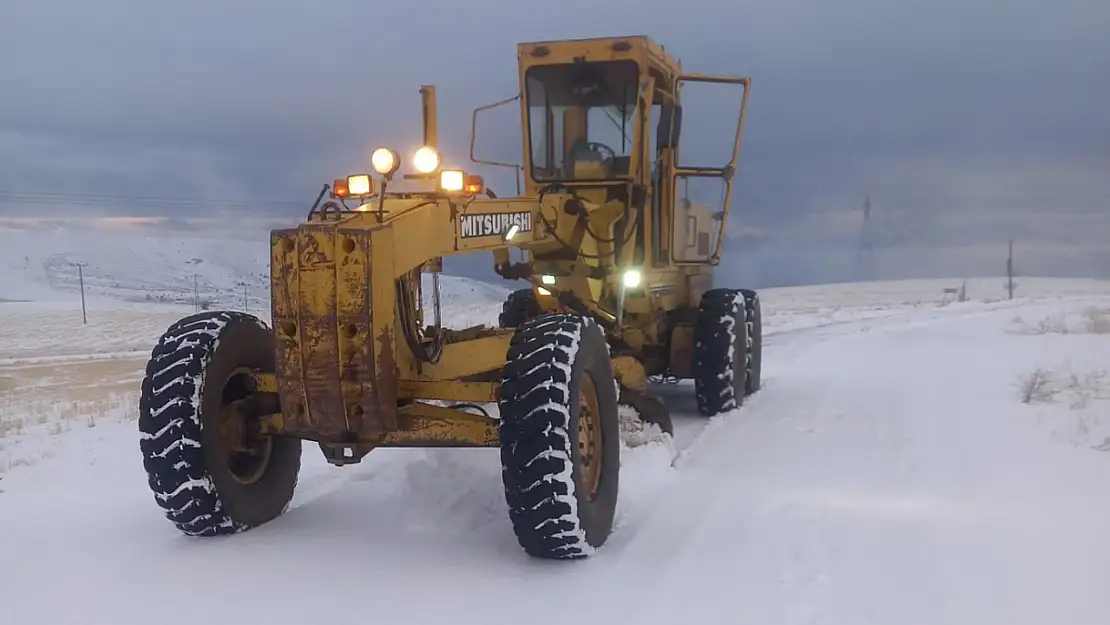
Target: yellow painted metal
[[339, 357], [353, 327], [643, 51], [630, 373], [265, 382], [418, 425], [272, 423], [313, 359], [469, 358], [426, 425], [347, 364], [474, 392], [384, 333], [286, 304]]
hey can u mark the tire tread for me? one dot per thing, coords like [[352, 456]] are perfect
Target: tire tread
[[170, 425], [536, 444]]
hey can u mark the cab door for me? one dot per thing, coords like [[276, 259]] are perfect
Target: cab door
[[710, 125]]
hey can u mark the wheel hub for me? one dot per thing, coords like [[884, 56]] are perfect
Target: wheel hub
[[247, 452], [589, 437]]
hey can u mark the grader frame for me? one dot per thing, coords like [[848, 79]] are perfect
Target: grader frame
[[352, 365], [344, 374]]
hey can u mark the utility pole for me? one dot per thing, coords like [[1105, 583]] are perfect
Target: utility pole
[[866, 264], [81, 278], [1010, 270], [196, 295]]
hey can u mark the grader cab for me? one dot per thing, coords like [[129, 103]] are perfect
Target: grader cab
[[618, 255]]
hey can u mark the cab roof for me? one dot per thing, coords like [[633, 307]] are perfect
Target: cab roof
[[634, 47]]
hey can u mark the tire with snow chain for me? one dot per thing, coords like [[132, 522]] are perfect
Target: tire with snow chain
[[720, 352], [195, 368], [520, 306], [560, 436], [754, 316]]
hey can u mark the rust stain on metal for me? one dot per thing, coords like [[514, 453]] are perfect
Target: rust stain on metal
[[384, 387], [425, 425], [264, 381], [284, 287], [316, 295], [354, 328], [336, 368]]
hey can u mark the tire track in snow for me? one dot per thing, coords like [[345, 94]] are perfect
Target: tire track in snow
[[778, 456], [854, 488], [320, 480]]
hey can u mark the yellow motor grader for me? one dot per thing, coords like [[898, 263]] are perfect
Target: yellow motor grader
[[620, 261]]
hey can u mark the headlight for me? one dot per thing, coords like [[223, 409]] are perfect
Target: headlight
[[426, 160], [632, 278], [547, 279], [359, 185], [451, 180], [385, 161]]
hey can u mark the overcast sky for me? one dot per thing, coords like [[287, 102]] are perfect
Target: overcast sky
[[967, 121]]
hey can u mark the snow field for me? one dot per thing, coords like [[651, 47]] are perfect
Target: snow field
[[50, 386], [906, 462], [889, 473], [803, 307], [141, 265], [1067, 389]]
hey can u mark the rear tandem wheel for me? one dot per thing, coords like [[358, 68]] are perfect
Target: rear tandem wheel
[[753, 314], [721, 352]]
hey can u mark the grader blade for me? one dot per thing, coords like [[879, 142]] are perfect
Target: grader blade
[[649, 407]]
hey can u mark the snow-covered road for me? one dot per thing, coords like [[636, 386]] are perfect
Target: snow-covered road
[[887, 473], [882, 477]]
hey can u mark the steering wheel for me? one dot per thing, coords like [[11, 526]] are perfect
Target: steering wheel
[[604, 149]]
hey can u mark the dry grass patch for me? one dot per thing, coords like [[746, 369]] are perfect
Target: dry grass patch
[[1079, 390], [1093, 320], [1097, 320], [43, 401], [1037, 386]]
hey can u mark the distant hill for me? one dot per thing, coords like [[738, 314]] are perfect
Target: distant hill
[[137, 262]]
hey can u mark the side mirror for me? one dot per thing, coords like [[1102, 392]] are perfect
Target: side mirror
[[670, 126], [517, 169]]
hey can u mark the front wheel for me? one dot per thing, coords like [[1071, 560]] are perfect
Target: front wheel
[[207, 482], [560, 436], [519, 306]]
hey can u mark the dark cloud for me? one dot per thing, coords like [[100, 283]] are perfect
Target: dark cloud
[[967, 121]]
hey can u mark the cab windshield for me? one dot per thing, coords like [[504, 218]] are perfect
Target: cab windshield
[[580, 119]]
